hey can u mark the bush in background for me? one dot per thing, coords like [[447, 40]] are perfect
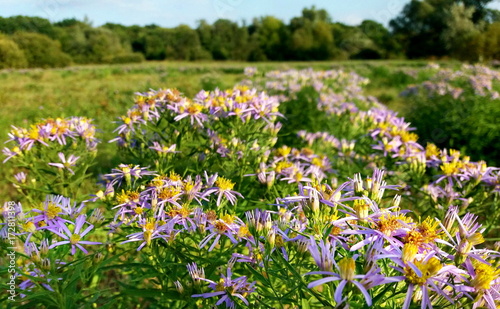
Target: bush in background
[[459, 110], [41, 51], [11, 56]]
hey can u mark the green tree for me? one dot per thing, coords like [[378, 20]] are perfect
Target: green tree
[[384, 44], [11, 25], [225, 40], [41, 51], [311, 35], [460, 31], [424, 26], [71, 35], [352, 43], [11, 56], [103, 44], [185, 45], [154, 41], [490, 42], [271, 35]]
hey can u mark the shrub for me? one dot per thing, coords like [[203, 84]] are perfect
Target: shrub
[[460, 112], [41, 51], [11, 56]]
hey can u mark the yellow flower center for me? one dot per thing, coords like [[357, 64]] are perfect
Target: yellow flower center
[[451, 168], [485, 274], [428, 270], [410, 250], [220, 226], [224, 184], [33, 133], [188, 186], [29, 227], [280, 166], [283, 151], [74, 239], [52, 210], [389, 223], [347, 269], [147, 236], [228, 218], [361, 208], [429, 229], [174, 176], [194, 109], [169, 192], [126, 120]]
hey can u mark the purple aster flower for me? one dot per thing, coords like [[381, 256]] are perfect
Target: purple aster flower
[[20, 177], [228, 289], [429, 275], [127, 173], [66, 163], [152, 230], [72, 238], [346, 273], [323, 254], [485, 283], [11, 153], [218, 228], [196, 273], [194, 112], [52, 209], [223, 187], [163, 150]]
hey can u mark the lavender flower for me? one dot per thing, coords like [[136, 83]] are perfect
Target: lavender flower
[[223, 187], [227, 288], [346, 273], [66, 163], [72, 238]]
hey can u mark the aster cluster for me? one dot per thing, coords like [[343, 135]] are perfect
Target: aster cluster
[[179, 223], [240, 102], [360, 240], [379, 137], [52, 156], [61, 131], [51, 234], [367, 245], [165, 206], [237, 124], [477, 79], [293, 166], [289, 82], [447, 176]]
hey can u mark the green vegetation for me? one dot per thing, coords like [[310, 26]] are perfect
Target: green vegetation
[[438, 29], [103, 92], [223, 160]]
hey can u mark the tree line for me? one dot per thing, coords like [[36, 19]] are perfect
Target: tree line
[[461, 29]]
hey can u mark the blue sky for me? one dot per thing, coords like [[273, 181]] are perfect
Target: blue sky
[[170, 13]]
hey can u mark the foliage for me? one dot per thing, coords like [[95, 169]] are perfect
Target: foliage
[[11, 56], [11, 25], [41, 51], [239, 210], [465, 30], [458, 109]]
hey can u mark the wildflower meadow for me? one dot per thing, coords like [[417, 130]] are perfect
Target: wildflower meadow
[[289, 189]]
